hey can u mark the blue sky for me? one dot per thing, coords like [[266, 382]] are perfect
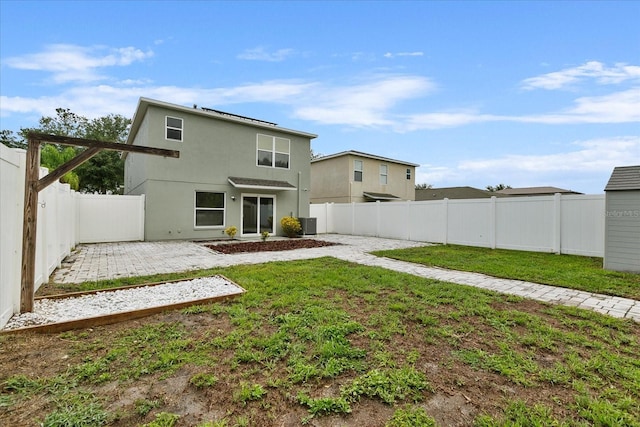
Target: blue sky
[[477, 93]]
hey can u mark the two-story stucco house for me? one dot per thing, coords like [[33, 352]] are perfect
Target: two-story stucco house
[[353, 176], [232, 171]]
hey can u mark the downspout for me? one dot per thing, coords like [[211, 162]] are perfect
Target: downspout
[[299, 190]]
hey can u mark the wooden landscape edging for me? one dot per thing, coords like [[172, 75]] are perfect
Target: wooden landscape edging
[[107, 319]]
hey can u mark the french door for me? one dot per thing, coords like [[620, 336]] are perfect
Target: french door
[[257, 214]]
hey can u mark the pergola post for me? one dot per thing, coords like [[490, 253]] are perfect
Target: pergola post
[[29, 226]]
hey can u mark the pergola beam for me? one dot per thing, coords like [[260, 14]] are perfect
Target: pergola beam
[[33, 185]]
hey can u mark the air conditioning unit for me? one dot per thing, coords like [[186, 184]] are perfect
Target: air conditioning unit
[[308, 226]]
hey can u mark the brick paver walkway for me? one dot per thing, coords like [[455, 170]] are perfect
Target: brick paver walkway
[[112, 260]]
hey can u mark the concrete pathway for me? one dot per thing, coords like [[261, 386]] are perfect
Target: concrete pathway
[[114, 260]]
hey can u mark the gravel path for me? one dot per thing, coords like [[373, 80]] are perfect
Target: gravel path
[[55, 310]]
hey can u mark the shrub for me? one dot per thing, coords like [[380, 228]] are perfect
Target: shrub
[[264, 236], [290, 225], [231, 231]]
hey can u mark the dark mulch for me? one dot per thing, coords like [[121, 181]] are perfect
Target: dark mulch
[[269, 245]]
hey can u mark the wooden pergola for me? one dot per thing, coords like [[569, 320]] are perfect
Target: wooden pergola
[[34, 184]]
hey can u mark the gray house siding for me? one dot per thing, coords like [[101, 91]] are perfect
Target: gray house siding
[[622, 226], [211, 151]]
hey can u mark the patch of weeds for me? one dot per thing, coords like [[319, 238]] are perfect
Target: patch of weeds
[[508, 362], [144, 406], [242, 421], [163, 419], [219, 423], [96, 371], [409, 416], [519, 414], [389, 385], [249, 392], [82, 410], [323, 406], [386, 325], [604, 412], [301, 371], [559, 374], [23, 385], [5, 401], [384, 359], [202, 380]]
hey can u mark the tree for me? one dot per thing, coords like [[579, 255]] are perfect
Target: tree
[[424, 186], [8, 138], [497, 187], [51, 157], [104, 172], [315, 155]]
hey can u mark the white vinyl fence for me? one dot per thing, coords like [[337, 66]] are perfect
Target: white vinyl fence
[[571, 224], [65, 218]]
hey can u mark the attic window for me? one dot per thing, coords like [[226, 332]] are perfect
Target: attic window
[[173, 128]]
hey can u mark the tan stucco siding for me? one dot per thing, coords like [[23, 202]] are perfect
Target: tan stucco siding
[[332, 180]]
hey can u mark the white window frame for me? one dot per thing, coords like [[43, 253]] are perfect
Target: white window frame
[[196, 209], [384, 173], [409, 173], [167, 128], [273, 151], [356, 170]]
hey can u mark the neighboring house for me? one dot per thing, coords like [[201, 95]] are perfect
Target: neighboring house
[[352, 176], [453, 193], [535, 191], [622, 220], [232, 171]]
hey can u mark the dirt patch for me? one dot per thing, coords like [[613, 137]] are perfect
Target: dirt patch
[[272, 245]]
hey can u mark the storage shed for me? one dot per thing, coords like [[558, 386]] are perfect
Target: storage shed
[[622, 222]]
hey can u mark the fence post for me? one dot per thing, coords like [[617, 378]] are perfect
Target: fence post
[[492, 223], [408, 222], [353, 218], [557, 219], [377, 218], [445, 207]]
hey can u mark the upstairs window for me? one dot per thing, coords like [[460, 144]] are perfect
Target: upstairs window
[[209, 209], [273, 151], [383, 174], [357, 170], [173, 126], [408, 173]]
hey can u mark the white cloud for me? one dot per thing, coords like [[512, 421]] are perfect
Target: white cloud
[[445, 120], [70, 63], [587, 166], [618, 107], [591, 70], [592, 155], [100, 100], [363, 104], [393, 55], [261, 54]]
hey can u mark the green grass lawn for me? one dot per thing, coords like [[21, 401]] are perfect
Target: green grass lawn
[[327, 338], [568, 271]]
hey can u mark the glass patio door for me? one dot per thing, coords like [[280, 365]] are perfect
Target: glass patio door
[[257, 214]]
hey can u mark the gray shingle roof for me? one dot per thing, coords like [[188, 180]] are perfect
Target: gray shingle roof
[[624, 178]]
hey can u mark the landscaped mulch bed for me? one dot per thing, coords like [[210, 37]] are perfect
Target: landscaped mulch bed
[[269, 245]]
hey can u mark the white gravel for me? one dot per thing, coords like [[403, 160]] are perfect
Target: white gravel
[[53, 310]]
